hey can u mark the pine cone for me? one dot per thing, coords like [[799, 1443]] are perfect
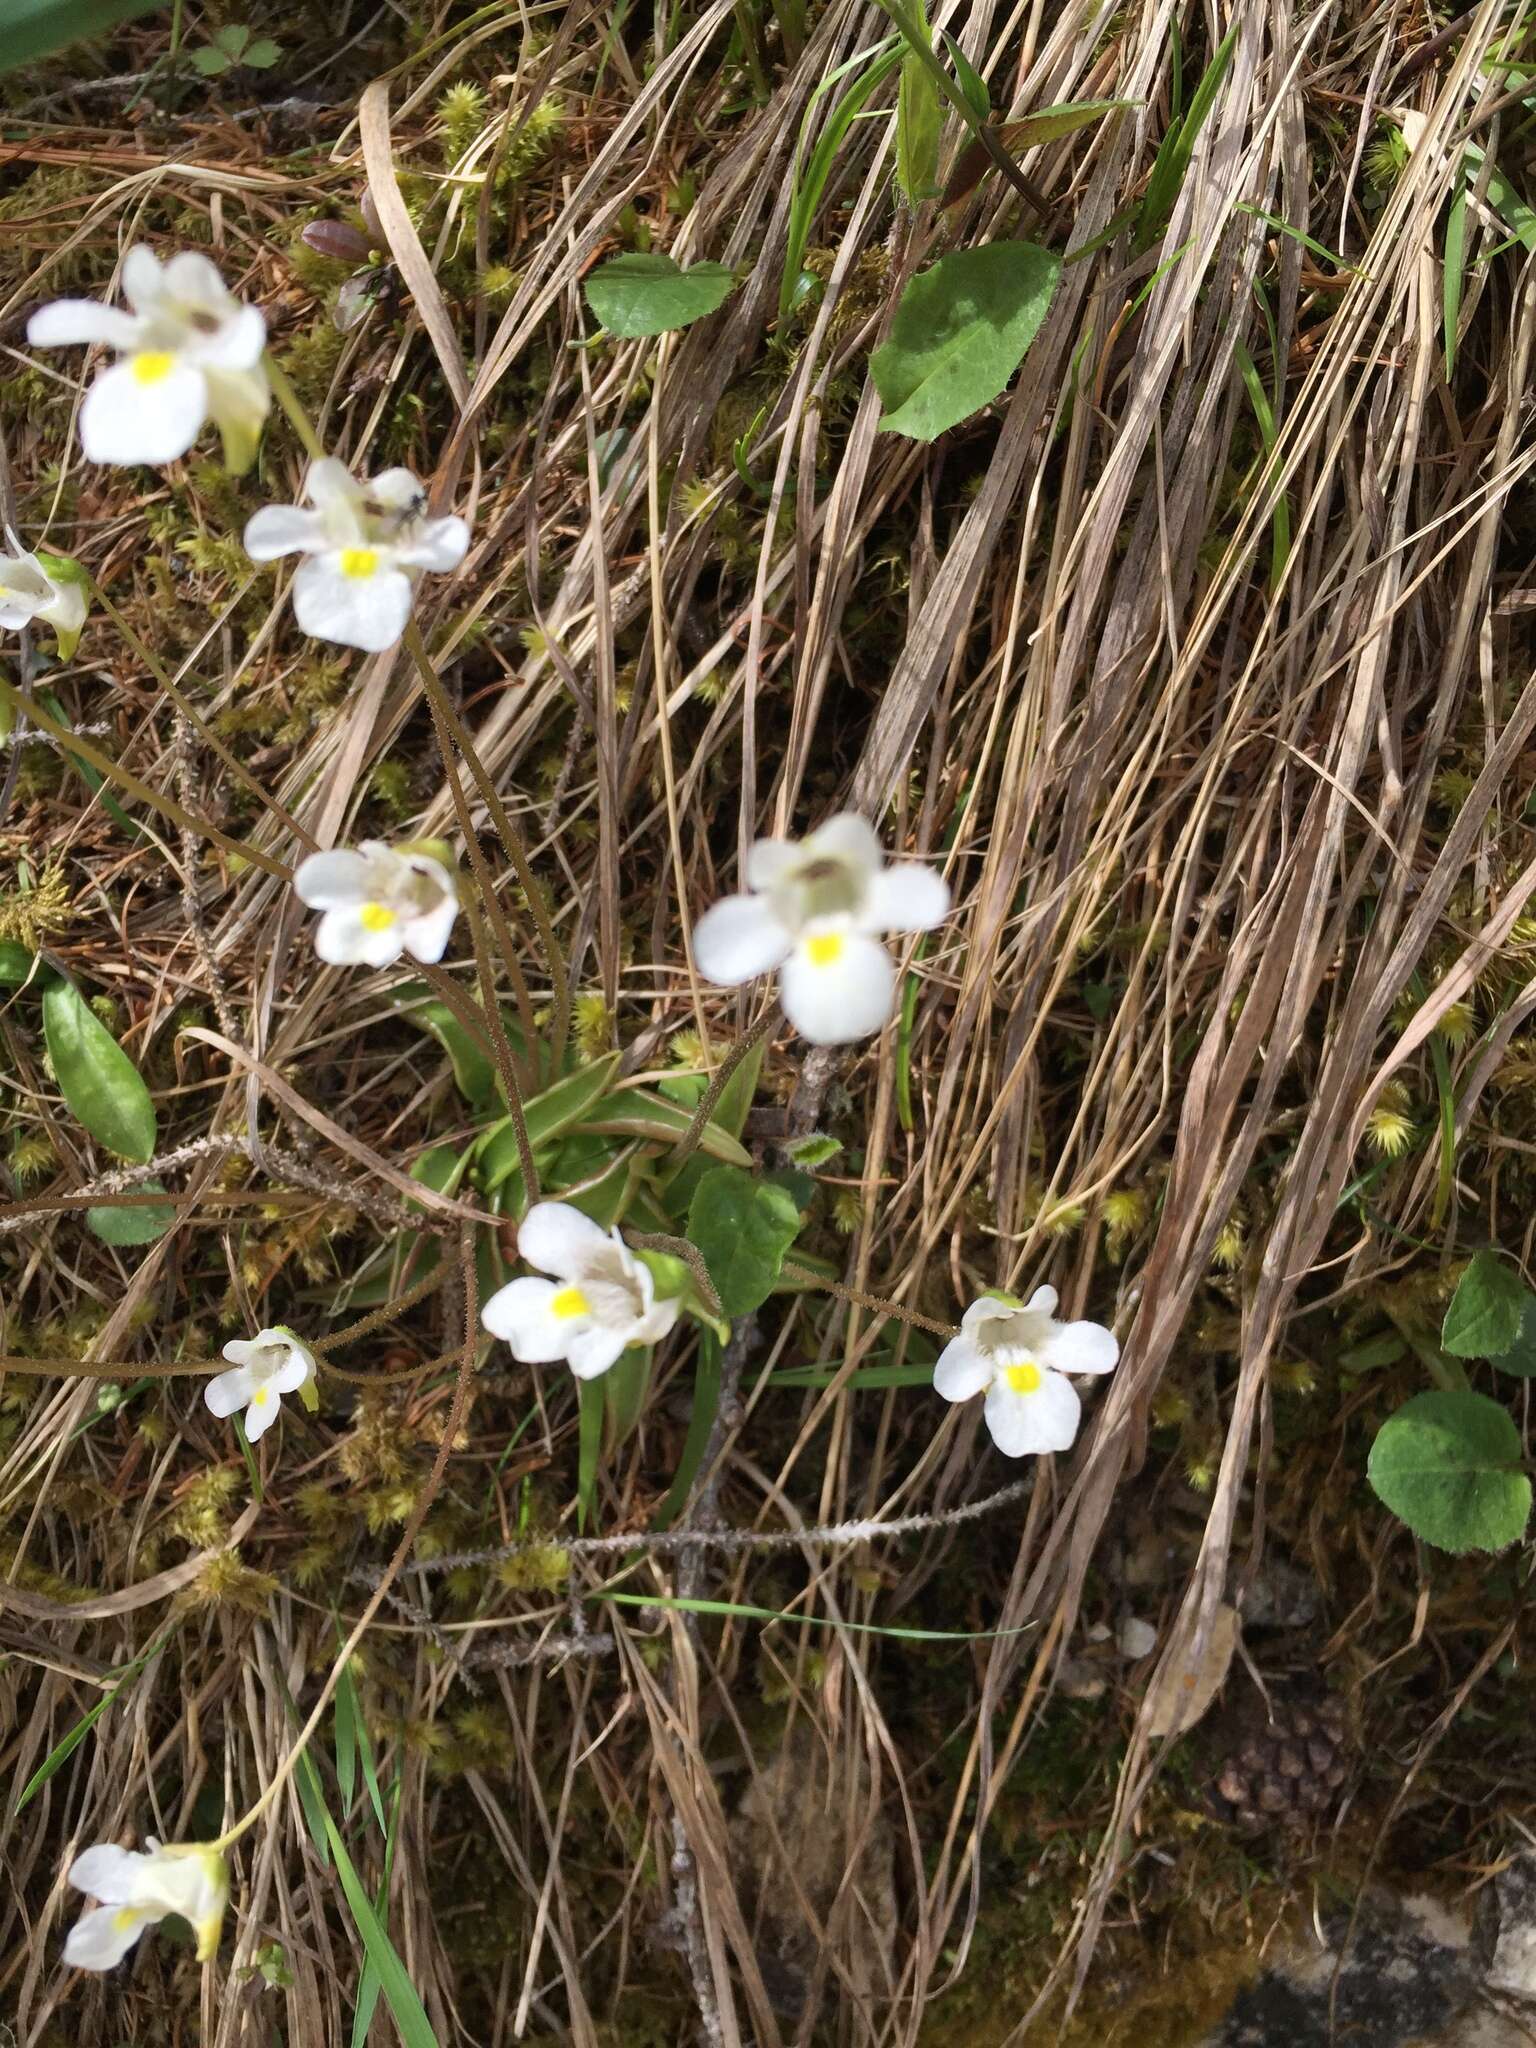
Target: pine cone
[[1282, 1767]]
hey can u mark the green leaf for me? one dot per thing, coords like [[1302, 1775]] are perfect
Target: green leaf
[[1448, 1464], [1172, 162], [919, 126], [1486, 1311], [115, 1224], [743, 1227], [232, 39], [262, 54], [637, 1113], [812, 171], [1520, 1359], [410, 2014], [473, 1068], [35, 28], [590, 1400], [1049, 124], [959, 334], [701, 1420], [625, 1388], [546, 1116], [645, 292], [95, 1076], [64, 1750], [973, 86], [815, 1150], [209, 62], [16, 963]]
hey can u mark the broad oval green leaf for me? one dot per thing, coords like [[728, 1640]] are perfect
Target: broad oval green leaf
[[645, 292], [96, 1077], [140, 1223], [1448, 1464], [473, 1068], [1483, 1320], [637, 1113], [743, 1226], [959, 334]]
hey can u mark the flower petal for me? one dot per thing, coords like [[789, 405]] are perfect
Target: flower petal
[[520, 1315], [283, 530], [143, 279], [397, 489], [369, 612], [262, 1410], [1043, 1301], [656, 1322], [1080, 1347], [103, 1936], [107, 1872], [330, 483], [558, 1239], [737, 939], [962, 1371], [769, 861], [908, 897], [293, 1372], [68, 322], [833, 998], [426, 938], [332, 881], [227, 1391], [593, 1351], [126, 420], [988, 1309], [846, 837], [236, 345], [343, 940], [441, 544], [1028, 1424]]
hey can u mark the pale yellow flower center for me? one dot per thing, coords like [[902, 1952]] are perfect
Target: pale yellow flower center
[[126, 1917], [262, 1398], [376, 917], [825, 949], [570, 1301], [359, 563], [1024, 1379], [153, 366]]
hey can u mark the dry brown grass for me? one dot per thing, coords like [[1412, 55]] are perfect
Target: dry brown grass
[[1047, 651]]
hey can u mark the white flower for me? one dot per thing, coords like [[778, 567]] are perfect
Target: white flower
[[1020, 1354], [271, 1363], [43, 587], [366, 543], [189, 351], [380, 902], [605, 1299], [814, 911], [137, 1889]]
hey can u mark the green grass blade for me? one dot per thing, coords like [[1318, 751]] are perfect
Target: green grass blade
[[63, 1751], [410, 2014], [706, 1404], [811, 182], [1454, 276], [368, 1984]]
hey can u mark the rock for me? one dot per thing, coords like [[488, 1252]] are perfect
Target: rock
[[1412, 1978], [1137, 1638], [1506, 1931]]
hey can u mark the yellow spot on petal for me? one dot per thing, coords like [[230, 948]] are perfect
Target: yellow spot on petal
[[124, 1918], [262, 1397], [359, 562], [377, 917], [1024, 1379], [153, 366], [825, 949], [570, 1301]]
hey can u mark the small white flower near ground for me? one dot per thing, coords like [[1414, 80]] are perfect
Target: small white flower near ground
[[601, 1300], [1019, 1355], [815, 910], [365, 547], [135, 1889], [380, 902], [46, 588], [264, 1367], [189, 351]]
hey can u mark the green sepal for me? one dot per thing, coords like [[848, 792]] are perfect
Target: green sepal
[[675, 1282]]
